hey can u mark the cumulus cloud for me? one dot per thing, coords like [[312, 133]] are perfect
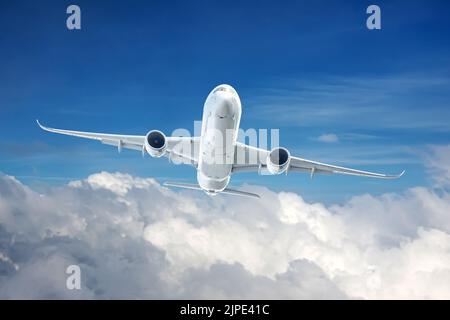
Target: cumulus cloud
[[133, 238], [328, 138]]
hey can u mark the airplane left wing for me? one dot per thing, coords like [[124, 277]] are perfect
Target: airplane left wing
[[252, 159], [176, 146]]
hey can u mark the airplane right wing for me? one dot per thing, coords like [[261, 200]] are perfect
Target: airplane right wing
[[179, 149]]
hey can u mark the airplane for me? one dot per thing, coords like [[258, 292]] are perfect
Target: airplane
[[214, 158]]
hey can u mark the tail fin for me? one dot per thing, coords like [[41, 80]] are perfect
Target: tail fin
[[197, 187]]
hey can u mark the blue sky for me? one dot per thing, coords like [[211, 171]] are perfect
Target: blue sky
[[309, 68]]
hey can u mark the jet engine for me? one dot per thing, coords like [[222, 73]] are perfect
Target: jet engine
[[278, 160], [155, 143]]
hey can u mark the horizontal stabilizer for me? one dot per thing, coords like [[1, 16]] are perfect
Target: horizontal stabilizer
[[241, 193], [183, 185], [193, 186]]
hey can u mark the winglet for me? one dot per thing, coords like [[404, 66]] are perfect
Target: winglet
[[401, 174], [44, 127], [396, 176], [40, 125]]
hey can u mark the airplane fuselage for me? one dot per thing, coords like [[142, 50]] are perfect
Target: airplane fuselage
[[220, 125]]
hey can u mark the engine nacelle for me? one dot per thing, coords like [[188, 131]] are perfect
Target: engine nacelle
[[278, 160], [155, 143]]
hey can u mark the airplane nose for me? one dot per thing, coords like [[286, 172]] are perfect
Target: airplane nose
[[225, 105], [224, 88], [225, 101]]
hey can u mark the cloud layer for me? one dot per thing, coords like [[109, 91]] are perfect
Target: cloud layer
[[134, 238]]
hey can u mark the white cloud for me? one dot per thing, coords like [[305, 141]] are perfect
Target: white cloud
[[136, 239], [439, 163], [328, 137]]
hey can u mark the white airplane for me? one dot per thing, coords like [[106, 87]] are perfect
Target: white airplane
[[216, 159]]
